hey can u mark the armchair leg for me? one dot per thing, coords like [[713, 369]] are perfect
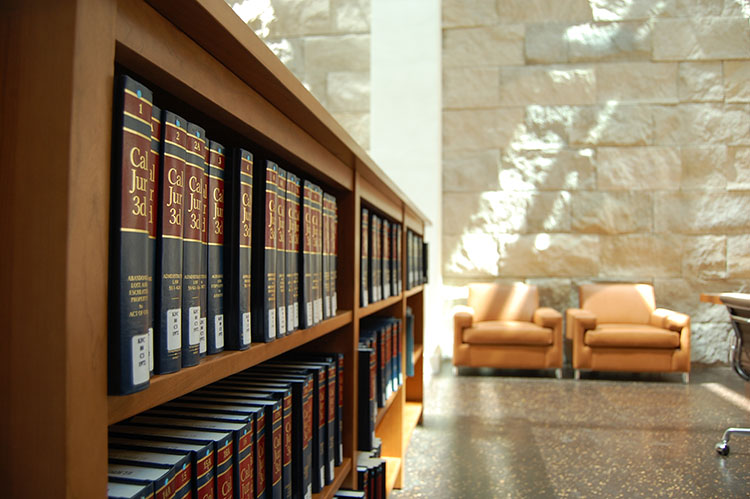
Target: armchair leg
[[576, 374], [685, 378], [558, 373]]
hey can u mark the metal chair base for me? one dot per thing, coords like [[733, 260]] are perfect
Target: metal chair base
[[722, 448]]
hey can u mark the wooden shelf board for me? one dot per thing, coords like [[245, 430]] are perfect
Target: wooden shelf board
[[412, 416], [414, 291], [164, 388], [378, 306], [417, 353], [388, 403], [340, 473], [392, 470]]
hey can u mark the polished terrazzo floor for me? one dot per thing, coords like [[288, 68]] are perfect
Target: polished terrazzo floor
[[490, 434]]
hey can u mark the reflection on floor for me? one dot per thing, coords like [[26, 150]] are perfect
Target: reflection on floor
[[493, 434]]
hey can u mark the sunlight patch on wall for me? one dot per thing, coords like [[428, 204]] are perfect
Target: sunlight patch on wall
[[260, 11]]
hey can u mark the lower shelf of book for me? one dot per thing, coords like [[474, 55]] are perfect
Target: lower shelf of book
[[164, 388]]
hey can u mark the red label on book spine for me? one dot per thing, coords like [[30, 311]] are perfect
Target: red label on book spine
[[136, 149]]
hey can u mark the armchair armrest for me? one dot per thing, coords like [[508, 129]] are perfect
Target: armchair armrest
[[462, 319], [547, 317], [579, 320], [669, 319]]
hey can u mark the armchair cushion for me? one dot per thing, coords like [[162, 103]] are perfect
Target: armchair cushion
[[619, 303], [631, 336], [507, 333]]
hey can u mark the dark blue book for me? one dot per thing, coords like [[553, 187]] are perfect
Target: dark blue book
[[281, 291], [364, 262], [215, 249], [307, 317], [168, 330], [293, 247], [123, 490], [192, 249], [179, 465], [128, 315], [202, 446], [238, 250], [264, 252]]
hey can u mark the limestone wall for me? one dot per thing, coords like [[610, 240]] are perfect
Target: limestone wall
[[326, 44], [588, 140]]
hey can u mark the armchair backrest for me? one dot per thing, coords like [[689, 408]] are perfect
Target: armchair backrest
[[507, 302], [618, 303]]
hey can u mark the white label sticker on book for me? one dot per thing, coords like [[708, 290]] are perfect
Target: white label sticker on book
[[174, 329], [219, 331], [296, 314], [308, 493], [310, 318], [322, 475], [272, 323], [334, 304], [290, 318], [150, 349], [203, 346], [282, 320], [194, 334], [331, 473], [246, 328], [140, 358]]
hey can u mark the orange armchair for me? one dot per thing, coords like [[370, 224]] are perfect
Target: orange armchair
[[506, 328], [619, 328]]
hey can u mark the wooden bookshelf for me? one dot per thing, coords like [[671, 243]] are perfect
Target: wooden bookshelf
[[56, 108]]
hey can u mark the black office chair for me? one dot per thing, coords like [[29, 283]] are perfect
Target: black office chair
[[738, 306]]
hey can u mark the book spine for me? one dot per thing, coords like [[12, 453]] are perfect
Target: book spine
[[317, 264], [192, 248], [264, 329], [244, 465], [260, 455], [215, 249], [306, 302], [326, 255], [364, 266], [386, 258], [281, 291], [332, 374], [153, 210], [287, 445], [340, 408], [293, 225], [129, 321], [203, 342], [238, 250], [168, 342], [334, 255], [366, 398]]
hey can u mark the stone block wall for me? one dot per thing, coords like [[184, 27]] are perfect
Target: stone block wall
[[597, 140], [326, 44]]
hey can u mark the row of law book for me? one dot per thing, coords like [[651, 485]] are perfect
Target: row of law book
[[273, 431], [211, 248], [380, 374], [381, 257]]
